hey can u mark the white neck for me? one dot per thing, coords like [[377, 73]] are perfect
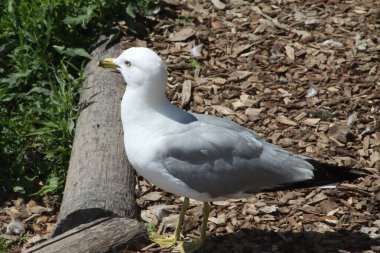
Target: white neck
[[140, 106]]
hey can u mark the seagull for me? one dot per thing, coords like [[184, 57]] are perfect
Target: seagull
[[202, 157]]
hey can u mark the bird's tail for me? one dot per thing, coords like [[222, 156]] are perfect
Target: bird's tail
[[325, 174]]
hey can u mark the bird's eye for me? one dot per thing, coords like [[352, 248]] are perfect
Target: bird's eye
[[127, 63]]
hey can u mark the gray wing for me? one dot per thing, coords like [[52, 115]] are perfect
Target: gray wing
[[215, 157], [224, 123]]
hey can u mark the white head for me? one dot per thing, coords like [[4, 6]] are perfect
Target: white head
[[146, 76], [141, 68]]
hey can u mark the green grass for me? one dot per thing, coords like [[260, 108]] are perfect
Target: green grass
[[3, 245], [44, 46], [6, 245]]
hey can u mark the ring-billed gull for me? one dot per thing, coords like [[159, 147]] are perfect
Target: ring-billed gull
[[200, 156]]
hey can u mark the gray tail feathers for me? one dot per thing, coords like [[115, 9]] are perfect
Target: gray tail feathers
[[324, 174]]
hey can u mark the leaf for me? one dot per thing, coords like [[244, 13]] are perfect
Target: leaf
[[10, 6], [112, 38], [39, 90], [72, 51], [77, 52], [130, 11], [84, 18], [19, 189], [13, 77], [60, 49], [130, 17], [7, 47], [52, 185]]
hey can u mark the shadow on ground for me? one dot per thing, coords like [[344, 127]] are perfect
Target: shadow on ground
[[261, 241], [246, 241]]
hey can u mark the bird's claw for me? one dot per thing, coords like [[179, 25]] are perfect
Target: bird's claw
[[189, 247]]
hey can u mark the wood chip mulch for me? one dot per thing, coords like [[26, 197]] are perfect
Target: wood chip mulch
[[305, 75]]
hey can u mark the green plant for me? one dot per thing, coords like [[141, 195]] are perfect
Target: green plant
[[150, 228], [183, 21], [7, 245], [3, 245], [194, 63], [44, 46]]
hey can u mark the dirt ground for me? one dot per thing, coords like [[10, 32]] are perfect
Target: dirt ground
[[305, 75]]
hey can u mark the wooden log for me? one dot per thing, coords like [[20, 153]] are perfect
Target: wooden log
[[100, 181], [104, 235]]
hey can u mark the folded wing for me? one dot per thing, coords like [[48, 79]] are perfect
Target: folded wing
[[220, 158]]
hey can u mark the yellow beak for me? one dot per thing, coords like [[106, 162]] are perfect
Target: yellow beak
[[107, 63]]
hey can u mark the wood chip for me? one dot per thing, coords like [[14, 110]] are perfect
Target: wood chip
[[292, 76], [186, 92], [153, 196], [218, 4], [290, 53], [223, 109], [241, 74], [311, 121], [286, 121], [341, 133], [182, 35]]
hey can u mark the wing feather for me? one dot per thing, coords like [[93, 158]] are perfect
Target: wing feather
[[223, 161]]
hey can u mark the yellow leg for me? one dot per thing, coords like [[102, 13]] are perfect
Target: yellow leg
[[189, 247], [167, 242]]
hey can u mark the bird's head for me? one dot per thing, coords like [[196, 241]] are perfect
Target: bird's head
[[140, 67]]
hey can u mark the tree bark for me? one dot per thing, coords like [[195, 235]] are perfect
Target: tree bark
[[104, 235], [100, 181]]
